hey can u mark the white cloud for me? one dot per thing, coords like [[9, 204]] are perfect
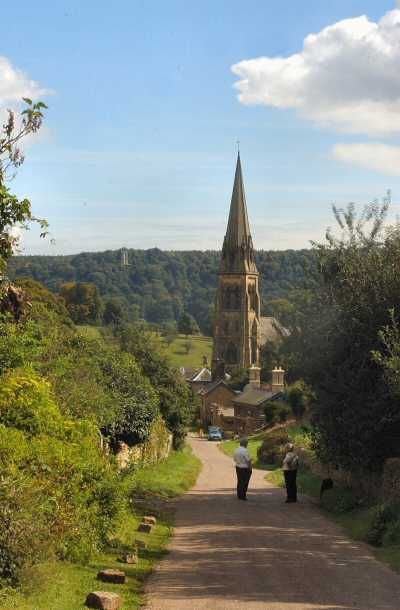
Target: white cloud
[[373, 156], [345, 77], [15, 84]]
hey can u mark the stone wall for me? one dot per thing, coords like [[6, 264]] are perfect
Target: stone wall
[[156, 448]]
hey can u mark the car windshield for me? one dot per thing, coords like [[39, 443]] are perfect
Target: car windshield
[[213, 429]]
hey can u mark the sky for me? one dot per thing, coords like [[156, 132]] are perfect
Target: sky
[[147, 100]]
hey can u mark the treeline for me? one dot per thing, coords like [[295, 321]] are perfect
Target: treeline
[[159, 286]]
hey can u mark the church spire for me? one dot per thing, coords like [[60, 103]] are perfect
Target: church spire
[[237, 251]]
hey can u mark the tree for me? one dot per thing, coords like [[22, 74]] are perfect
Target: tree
[[187, 325], [82, 301], [355, 415], [175, 402], [298, 395], [16, 212], [113, 312], [188, 346]]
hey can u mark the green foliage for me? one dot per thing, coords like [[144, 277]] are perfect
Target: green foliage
[[13, 211], [355, 413], [273, 447], [339, 500], [187, 325], [175, 400], [385, 524], [298, 395], [172, 477], [114, 312], [82, 301], [239, 379], [26, 404], [159, 286]]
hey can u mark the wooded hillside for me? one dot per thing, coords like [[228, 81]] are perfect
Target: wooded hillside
[[158, 285]]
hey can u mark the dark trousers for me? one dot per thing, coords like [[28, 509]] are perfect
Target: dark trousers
[[291, 485], [243, 478]]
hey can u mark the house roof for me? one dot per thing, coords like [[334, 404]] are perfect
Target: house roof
[[254, 397], [213, 386], [203, 374]]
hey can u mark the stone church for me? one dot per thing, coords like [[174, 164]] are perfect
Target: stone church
[[237, 312], [239, 330]]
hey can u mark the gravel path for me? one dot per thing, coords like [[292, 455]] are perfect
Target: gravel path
[[226, 554]]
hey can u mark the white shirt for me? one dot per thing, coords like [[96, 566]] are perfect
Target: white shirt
[[291, 461], [242, 458]]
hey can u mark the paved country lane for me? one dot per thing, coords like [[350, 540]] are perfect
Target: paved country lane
[[262, 554]]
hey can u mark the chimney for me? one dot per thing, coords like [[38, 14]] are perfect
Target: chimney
[[254, 377], [278, 375]]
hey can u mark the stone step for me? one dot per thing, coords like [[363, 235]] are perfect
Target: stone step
[[149, 519], [112, 575], [130, 558], [103, 600]]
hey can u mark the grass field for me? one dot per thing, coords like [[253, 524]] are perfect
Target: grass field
[[64, 586], [199, 346]]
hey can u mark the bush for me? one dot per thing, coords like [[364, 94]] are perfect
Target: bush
[[339, 500], [273, 447], [383, 524], [26, 404], [283, 413]]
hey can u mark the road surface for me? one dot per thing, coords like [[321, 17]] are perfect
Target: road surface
[[226, 554]]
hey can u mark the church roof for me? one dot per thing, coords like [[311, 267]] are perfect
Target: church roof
[[271, 330], [237, 251]]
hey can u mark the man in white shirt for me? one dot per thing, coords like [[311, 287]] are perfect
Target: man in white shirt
[[242, 460]]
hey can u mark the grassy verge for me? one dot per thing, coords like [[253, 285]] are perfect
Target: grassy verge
[[63, 586], [170, 478], [199, 346]]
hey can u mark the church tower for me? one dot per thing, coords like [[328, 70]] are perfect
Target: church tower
[[237, 310]]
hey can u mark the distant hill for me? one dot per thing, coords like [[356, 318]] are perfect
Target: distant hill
[[158, 285]]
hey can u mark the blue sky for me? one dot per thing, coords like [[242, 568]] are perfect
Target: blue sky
[[138, 148]]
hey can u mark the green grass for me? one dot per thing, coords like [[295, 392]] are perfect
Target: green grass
[[61, 585], [200, 346], [170, 478]]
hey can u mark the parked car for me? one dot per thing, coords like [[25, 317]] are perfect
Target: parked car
[[214, 433]]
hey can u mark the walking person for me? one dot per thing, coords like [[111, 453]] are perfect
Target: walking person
[[242, 460], [290, 466]]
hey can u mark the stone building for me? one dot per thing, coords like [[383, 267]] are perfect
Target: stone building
[[239, 330], [237, 311]]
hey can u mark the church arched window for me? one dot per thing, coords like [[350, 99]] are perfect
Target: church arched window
[[231, 354], [236, 298], [254, 343]]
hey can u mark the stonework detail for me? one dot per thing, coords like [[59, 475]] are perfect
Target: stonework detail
[[237, 319]]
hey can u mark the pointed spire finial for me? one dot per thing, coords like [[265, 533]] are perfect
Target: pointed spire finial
[[238, 146]]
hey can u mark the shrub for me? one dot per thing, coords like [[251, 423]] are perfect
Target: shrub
[[26, 403], [283, 412], [273, 446], [383, 522], [270, 413], [339, 500]]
